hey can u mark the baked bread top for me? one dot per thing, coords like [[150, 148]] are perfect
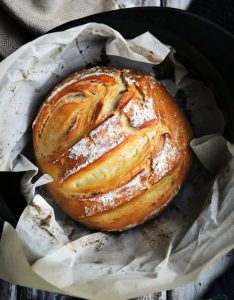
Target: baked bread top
[[116, 145]]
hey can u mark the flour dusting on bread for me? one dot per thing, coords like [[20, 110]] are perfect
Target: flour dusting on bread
[[116, 145]]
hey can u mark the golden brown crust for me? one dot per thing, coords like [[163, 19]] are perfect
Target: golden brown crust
[[116, 145]]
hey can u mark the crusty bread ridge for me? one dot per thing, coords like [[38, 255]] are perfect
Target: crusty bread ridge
[[116, 145]]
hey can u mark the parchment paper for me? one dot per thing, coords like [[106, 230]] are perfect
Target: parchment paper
[[50, 251]]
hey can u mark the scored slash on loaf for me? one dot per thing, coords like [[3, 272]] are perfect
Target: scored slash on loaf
[[116, 145]]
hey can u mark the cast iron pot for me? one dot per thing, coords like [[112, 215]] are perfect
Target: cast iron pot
[[203, 47]]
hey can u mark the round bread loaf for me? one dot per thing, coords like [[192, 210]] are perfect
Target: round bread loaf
[[116, 145]]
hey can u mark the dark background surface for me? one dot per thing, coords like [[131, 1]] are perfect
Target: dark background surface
[[222, 13]]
